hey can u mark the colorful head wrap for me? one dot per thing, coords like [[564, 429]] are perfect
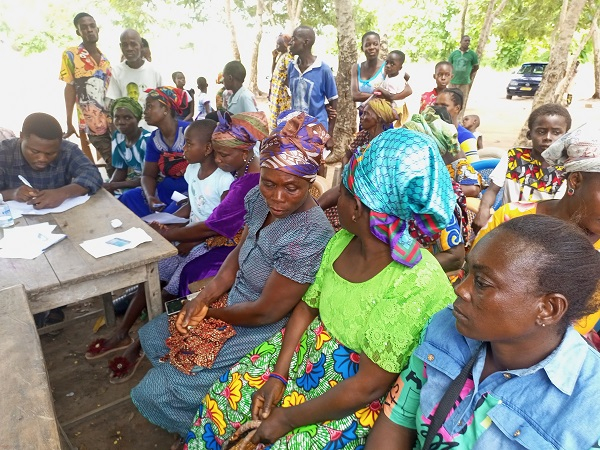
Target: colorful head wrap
[[444, 134], [130, 104], [578, 150], [240, 131], [295, 146], [383, 109], [172, 97], [402, 177], [220, 78]]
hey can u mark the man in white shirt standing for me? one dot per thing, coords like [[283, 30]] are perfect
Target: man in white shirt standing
[[133, 76]]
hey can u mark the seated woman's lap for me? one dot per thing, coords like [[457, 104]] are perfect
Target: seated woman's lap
[[318, 364], [135, 200], [204, 266]]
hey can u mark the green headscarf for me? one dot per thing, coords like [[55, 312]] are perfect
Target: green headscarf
[[130, 104], [444, 134]]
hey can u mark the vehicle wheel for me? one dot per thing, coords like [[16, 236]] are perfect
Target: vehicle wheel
[[508, 97]]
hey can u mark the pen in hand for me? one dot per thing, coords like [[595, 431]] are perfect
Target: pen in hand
[[24, 181]]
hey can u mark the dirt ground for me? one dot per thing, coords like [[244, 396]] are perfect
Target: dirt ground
[[80, 386]]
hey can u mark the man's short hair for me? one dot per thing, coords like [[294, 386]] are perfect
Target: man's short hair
[[175, 75], [80, 16], [442, 63], [236, 69], [43, 126]]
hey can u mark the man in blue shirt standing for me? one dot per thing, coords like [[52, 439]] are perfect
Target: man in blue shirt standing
[[311, 81]]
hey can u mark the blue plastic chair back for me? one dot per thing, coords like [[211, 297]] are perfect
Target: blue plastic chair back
[[485, 167]]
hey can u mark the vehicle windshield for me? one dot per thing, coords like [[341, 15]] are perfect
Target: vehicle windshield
[[532, 69]]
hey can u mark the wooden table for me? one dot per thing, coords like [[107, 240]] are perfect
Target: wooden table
[[67, 274], [28, 419]]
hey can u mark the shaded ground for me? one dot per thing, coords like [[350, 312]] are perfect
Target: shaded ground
[[79, 386]]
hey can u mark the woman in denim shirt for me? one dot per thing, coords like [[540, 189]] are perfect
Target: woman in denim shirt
[[534, 383]]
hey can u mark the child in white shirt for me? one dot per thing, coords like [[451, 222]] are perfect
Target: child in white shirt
[[395, 87]]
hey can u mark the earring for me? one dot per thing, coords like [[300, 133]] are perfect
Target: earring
[[245, 159], [570, 191], [353, 218], [543, 324]]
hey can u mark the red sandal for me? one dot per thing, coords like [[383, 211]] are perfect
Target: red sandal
[[97, 349], [121, 369]]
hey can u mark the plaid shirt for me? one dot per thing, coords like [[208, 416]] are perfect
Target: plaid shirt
[[70, 166]]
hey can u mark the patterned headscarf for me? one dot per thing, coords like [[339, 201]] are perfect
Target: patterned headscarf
[[578, 150], [172, 97], [402, 177], [295, 146], [383, 109], [240, 131], [129, 104], [444, 134]]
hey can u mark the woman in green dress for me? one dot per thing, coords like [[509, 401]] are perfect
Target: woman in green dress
[[319, 383]]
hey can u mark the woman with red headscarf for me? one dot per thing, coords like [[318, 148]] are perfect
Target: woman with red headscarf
[[164, 154]]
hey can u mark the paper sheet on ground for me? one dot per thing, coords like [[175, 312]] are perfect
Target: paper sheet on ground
[[19, 209], [28, 242], [115, 243], [164, 218]]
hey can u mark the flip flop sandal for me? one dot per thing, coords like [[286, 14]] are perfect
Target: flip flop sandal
[[121, 369], [98, 350]]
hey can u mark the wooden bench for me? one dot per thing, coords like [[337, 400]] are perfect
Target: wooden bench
[[28, 419]]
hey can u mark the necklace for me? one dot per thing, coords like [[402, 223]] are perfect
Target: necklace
[[247, 167]]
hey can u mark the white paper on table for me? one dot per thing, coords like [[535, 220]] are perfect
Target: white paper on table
[[115, 243], [19, 209], [164, 218], [178, 196], [28, 242]]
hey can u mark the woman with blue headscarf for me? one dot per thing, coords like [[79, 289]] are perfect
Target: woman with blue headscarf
[[320, 382]]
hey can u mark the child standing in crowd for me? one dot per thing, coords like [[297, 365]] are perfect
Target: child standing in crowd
[[187, 113], [222, 95], [471, 123], [395, 87], [442, 76], [241, 99], [204, 106], [128, 145], [523, 172]]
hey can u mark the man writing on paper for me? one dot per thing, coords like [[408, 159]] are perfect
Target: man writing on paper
[[55, 168]]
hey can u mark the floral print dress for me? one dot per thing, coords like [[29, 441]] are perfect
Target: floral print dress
[[382, 318]]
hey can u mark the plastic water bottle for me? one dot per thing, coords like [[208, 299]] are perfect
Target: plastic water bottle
[[6, 218]]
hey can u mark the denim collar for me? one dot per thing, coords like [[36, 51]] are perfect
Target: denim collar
[[562, 365]]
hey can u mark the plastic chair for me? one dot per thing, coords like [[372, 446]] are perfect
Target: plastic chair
[[485, 167]]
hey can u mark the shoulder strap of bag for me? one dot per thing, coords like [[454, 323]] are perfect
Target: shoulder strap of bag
[[448, 400]]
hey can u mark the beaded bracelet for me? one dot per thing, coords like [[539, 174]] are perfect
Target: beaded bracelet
[[278, 377]]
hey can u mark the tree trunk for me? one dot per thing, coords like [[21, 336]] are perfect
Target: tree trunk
[[384, 48], [345, 126], [253, 84], [596, 45], [490, 15], [294, 9], [557, 64], [234, 44], [573, 63], [463, 18]]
